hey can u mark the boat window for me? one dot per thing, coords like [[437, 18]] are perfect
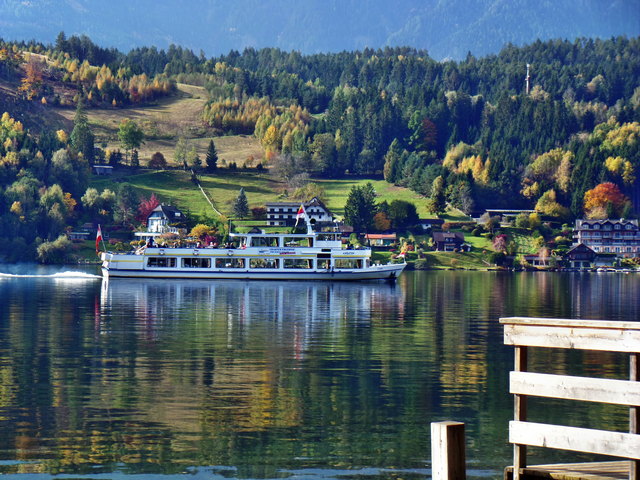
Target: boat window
[[264, 263], [298, 242], [349, 263], [164, 262], [229, 262], [324, 263], [298, 263], [327, 237], [196, 262], [264, 241]]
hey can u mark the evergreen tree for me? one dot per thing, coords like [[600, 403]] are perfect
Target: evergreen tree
[[82, 140], [437, 201], [241, 205], [361, 208], [212, 157]]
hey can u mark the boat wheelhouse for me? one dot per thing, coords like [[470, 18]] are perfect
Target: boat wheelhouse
[[264, 256]]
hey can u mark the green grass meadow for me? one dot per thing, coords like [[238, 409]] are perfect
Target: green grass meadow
[[175, 187]]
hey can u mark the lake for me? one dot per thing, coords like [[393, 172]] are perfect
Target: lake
[[236, 379]]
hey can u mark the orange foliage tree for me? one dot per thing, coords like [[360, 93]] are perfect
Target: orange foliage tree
[[605, 200]]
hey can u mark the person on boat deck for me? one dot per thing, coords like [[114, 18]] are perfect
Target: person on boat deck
[[150, 243]]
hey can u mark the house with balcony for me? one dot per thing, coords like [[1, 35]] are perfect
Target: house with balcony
[[163, 219], [620, 237], [381, 239], [283, 214], [449, 241]]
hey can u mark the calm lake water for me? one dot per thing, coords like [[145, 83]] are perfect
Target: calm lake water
[[236, 379]]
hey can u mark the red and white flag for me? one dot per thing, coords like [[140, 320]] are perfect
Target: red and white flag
[[301, 214], [98, 239]]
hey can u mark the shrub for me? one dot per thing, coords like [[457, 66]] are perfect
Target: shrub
[[57, 251], [259, 213], [158, 161], [421, 264]]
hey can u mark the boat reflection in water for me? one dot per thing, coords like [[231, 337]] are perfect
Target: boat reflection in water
[[157, 304]]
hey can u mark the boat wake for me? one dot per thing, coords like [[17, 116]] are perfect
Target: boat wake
[[59, 275]]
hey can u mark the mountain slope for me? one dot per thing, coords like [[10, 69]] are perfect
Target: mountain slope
[[446, 28]]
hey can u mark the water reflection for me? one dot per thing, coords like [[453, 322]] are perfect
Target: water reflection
[[274, 379]]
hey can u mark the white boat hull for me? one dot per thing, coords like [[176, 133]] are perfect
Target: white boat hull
[[382, 272]]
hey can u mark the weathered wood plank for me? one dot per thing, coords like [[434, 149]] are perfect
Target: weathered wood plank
[[520, 412], [634, 412], [619, 392], [575, 471], [625, 445], [585, 338], [577, 323], [448, 451]]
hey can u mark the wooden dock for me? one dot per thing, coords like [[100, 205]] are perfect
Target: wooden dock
[[575, 471], [525, 333]]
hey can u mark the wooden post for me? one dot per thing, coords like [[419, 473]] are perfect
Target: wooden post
[[448, 451], [520, 414], [634, 413]]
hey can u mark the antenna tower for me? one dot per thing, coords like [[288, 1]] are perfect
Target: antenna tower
[[526, 80]]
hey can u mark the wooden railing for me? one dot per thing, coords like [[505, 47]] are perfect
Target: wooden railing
[[524, 333]]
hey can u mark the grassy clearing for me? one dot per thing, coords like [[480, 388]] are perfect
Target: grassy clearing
[[175, 186], [164, 122], [524, 239], [478, 243], [337, 192], [446, 260]]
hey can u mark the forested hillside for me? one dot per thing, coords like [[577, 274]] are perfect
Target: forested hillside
[[467, 133]]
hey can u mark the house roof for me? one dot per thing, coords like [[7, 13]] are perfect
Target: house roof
[[381, 236], [611, 221], [448, 237], [314, 202], [173, 214], [431, 221], [580, 247]]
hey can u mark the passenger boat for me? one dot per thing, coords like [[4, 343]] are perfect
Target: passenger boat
[[263, 256]]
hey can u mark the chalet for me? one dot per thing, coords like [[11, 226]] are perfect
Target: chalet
[[283, 214], [381, 239], [448, 241], [580, 256], [540, 261], [163, 219], [103, 169], [506, 215], [79, 236], [620, 237]]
